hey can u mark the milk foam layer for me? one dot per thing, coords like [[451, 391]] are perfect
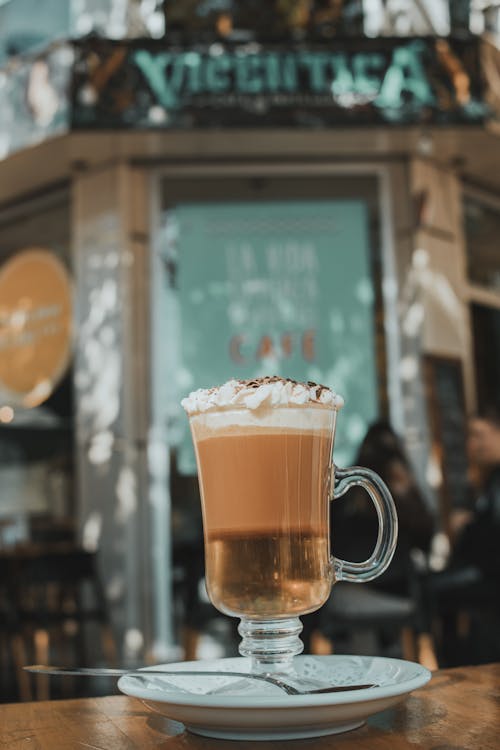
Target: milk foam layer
[[255, 395], [241, 421]]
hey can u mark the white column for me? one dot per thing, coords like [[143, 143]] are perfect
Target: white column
[[123, 496]]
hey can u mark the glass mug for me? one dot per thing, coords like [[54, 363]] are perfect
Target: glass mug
[[266, 478]]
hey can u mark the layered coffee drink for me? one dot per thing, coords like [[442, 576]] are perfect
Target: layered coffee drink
[[264, 455]]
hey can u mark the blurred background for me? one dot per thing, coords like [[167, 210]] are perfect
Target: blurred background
[[204, 189]]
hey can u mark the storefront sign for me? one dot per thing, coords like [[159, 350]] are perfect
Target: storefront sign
[[356, 81], [35, 326], [150, 84], [273, 288]]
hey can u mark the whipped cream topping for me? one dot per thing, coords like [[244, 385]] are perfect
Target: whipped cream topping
[[271, 391]]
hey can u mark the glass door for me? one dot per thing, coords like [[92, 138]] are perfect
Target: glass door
[[263, 276]]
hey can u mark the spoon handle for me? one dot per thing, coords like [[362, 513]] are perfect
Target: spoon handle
[[151, 673]]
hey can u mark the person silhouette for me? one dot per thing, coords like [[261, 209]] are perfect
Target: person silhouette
[[463, 598], [354, 530], [476, 542], [354, 520]]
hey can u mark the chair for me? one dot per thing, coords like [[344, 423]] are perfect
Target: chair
[[368, 618], [55, 595], [463, 609], [377, 620], [384, 616], [7, 635]]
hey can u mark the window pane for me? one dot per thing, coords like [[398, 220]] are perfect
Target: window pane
[[486, 328], [482, 236], [268, 288]]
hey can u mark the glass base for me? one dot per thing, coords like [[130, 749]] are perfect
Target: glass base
[[271, 644]]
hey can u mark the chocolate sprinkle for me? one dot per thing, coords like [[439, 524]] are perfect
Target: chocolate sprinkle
[[269, 379]]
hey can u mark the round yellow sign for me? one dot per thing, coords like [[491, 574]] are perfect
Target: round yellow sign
[[35, 325]]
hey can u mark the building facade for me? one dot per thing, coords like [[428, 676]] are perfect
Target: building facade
[[226, 208]]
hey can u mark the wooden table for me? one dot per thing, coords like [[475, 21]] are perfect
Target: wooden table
[[458, 710]]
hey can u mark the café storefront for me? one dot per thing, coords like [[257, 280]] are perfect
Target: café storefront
[[235, 210]]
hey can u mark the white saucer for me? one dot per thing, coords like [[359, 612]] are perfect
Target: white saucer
[[265, 712]]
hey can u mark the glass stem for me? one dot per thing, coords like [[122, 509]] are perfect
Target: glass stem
[[271, 644]]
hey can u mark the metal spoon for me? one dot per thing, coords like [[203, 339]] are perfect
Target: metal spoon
[[149, 674]]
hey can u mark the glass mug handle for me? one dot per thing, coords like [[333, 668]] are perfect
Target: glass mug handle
[[379, 560]]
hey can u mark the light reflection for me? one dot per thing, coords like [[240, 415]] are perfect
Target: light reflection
[[102, 400], [390, 289], [18, 320], [115, 588], [440, 552], [6, 414], [158, 460], [270, 363], [38, 394], [99, 376], [408, 367], [94, 261], [428, 291], [92, 532], [133, 643], [433, 473], [364, 291], [209, 648], [413, 319], [100, 448], [112, 260], [41, 96], [126, 492], [237, 314], [420, 258], [107, 336], [83, 24], [157, 115]]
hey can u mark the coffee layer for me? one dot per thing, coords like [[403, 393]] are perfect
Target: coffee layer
[[267, 482]]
